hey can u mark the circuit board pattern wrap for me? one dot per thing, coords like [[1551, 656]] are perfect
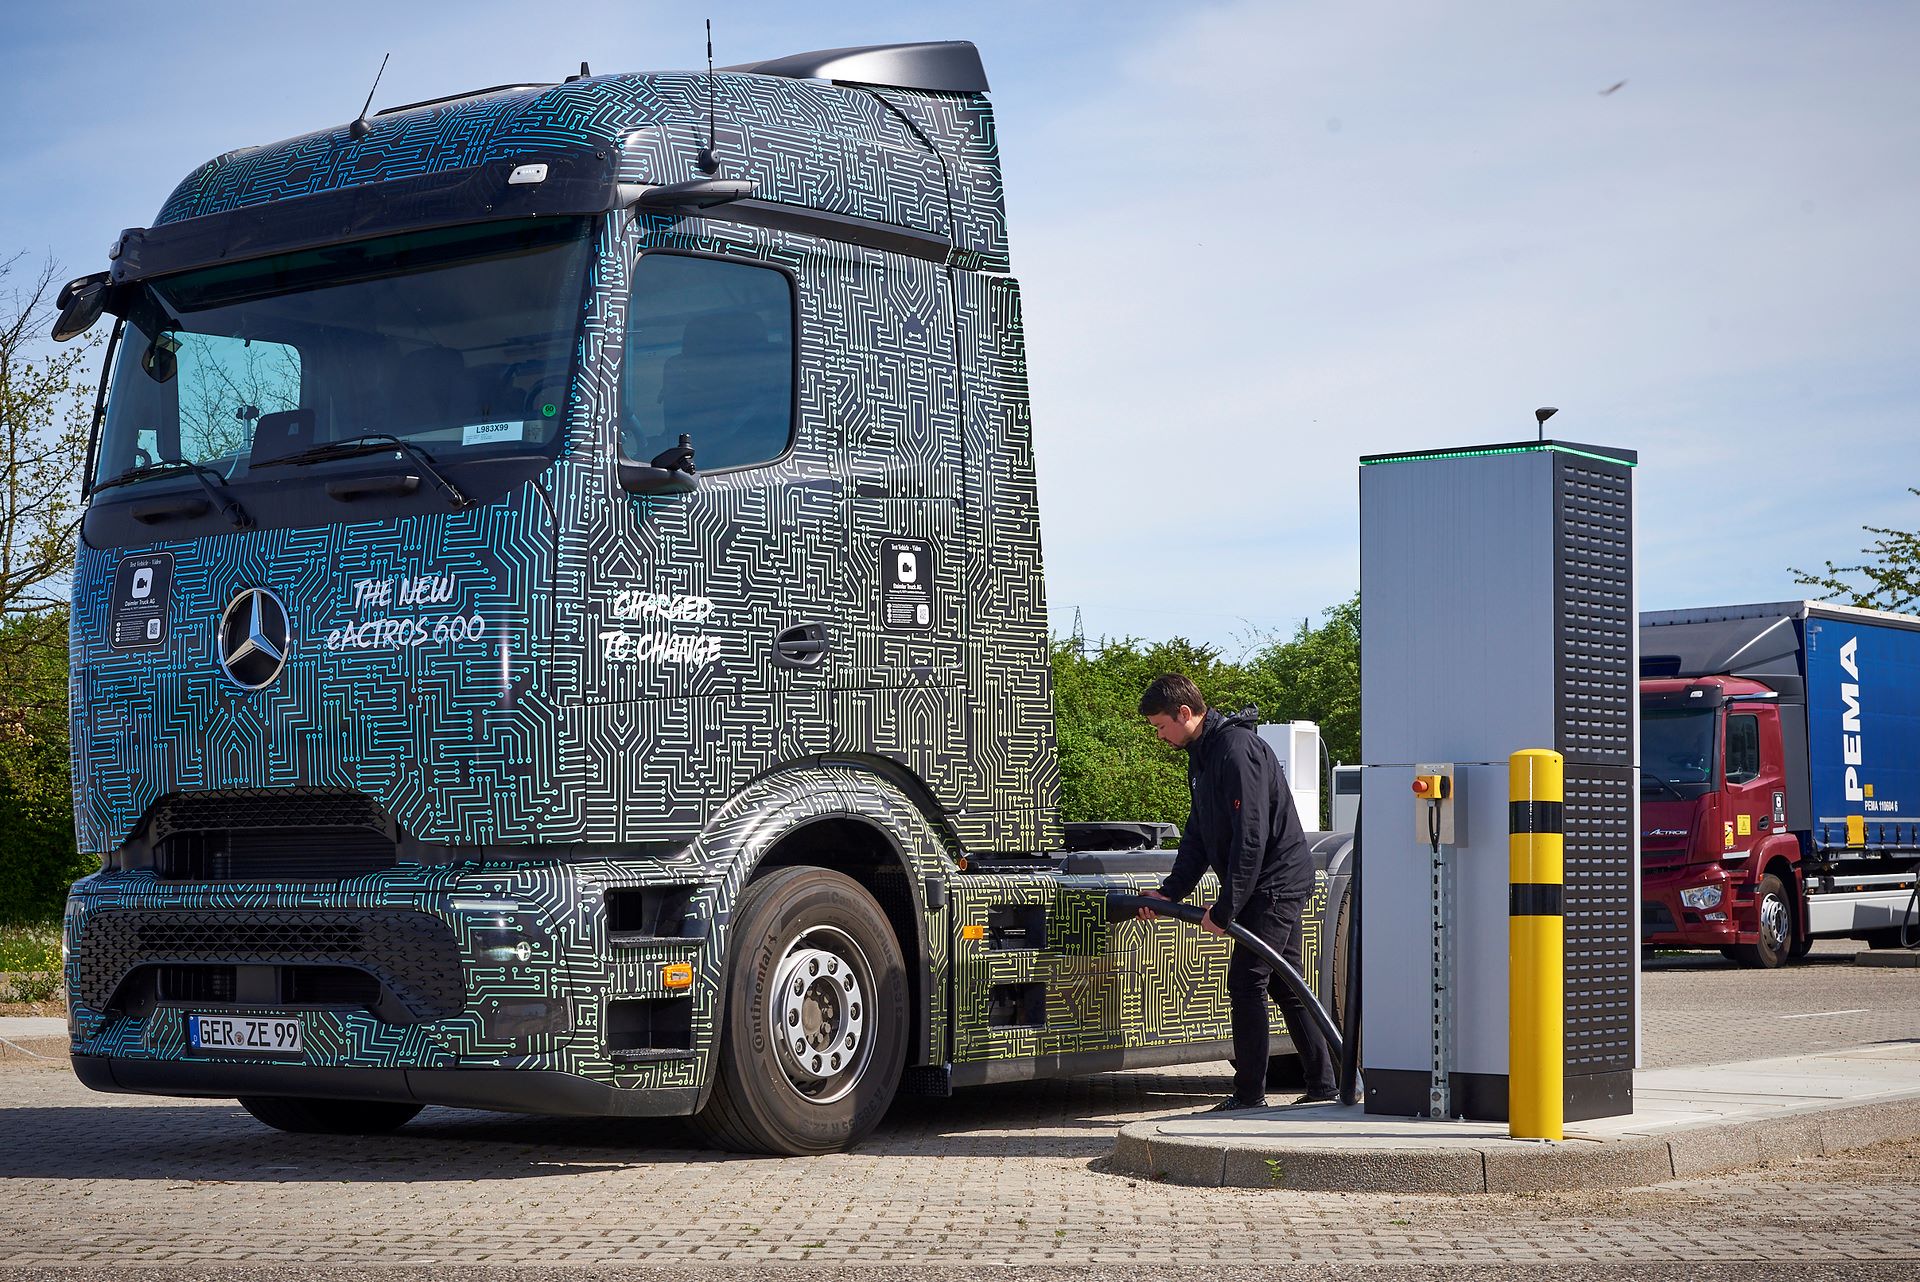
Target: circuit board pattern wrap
[[538, 773]]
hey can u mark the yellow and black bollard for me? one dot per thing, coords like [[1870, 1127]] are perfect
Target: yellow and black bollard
[[1536, 945]]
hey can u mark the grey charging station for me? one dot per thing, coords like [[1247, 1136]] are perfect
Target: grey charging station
[[1498, 610]]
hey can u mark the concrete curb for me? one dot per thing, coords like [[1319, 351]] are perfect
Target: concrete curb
[[1898, 958], [1511, 1166]]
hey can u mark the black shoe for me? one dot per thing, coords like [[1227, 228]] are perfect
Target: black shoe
[[1311, 1098], [1234, 1104]]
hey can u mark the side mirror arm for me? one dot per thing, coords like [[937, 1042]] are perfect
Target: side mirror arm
[[671, 472]]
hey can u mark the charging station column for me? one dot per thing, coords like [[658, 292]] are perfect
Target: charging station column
[[1497, 600]]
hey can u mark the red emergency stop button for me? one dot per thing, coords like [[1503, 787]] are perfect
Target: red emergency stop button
[[1422, 786]]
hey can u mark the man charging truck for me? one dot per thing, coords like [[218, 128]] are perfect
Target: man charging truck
[[559, 626]]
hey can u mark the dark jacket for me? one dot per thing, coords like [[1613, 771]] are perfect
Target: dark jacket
[[1243, 824]]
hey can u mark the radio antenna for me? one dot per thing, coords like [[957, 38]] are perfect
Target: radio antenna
[[361, 126], [706, 162]]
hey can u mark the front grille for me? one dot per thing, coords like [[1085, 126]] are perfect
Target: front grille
[[269, 855], [193, 983], [270, 836], [264, 808], [327, 986], [415, 955]]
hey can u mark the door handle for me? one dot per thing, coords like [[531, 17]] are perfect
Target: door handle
[[804, 645]]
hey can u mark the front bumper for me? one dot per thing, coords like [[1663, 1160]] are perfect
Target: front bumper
[[506, 1091], [494, 985], [1665, 922]]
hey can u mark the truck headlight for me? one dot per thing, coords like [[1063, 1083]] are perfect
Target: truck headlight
[[1701, 897]]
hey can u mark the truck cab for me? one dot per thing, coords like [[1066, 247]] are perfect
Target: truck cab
[[559, 625], [1717, 855]]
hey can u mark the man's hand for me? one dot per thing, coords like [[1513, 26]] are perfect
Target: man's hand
[[1147, 914], [1209, 925]]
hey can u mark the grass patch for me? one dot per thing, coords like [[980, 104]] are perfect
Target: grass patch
[[30, 948]]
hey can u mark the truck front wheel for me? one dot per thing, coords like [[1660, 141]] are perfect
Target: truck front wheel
[[1777, 928], [814, 1035]]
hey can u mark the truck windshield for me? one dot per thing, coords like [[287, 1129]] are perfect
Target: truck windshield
[[459, 340], [1677, 751]]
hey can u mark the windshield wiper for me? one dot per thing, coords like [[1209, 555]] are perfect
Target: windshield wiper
[[1646, 774], [228, 507], [371, 443]]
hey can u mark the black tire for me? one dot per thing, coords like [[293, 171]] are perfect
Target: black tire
[[1802, 945], [765, 1099], [1779, 928], [329, 1116], [1337, 983]]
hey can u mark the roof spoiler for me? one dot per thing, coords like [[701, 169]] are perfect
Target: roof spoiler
[[936, 66]]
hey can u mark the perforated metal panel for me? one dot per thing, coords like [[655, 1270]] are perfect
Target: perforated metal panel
[[1600, 938], [1595, 702], [1593, 597]]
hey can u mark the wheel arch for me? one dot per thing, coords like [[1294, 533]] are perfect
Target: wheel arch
[[853, 817]]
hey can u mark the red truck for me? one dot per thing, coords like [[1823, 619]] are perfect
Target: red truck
[[1780, 778]]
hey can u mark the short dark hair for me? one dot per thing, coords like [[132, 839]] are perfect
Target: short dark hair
[[1168, 694]]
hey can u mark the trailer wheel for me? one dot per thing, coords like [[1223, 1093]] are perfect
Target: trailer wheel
[[1778, 931], [329, 1116], [814, 1035]]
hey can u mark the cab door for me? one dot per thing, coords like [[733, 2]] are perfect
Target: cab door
[[1747, 816], [693, 597]]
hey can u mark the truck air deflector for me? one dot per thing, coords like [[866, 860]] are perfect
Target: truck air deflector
[[935, 66], [577, 183]]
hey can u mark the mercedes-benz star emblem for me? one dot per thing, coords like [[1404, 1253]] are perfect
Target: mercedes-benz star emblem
[[254, 639]]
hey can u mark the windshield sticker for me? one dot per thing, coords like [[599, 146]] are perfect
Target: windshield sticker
[[488, 433], [142, 587]]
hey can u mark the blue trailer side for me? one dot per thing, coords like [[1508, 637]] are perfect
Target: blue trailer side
[[1863, 732]]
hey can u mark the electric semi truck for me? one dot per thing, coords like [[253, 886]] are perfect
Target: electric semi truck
[[559, 626], [1780, 778]]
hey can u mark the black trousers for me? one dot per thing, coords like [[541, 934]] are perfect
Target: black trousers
[[1250, 977]]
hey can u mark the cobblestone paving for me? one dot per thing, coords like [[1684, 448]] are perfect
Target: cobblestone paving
[[1702, 1009], [1002, 1175]]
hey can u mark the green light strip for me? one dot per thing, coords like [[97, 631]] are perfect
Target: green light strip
[[1510, 449]]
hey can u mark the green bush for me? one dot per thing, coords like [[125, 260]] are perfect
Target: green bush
[[27, 949], [1112, 766], [38, 858]]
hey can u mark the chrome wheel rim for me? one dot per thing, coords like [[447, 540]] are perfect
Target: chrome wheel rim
[[819, 1016], [1773, 922]]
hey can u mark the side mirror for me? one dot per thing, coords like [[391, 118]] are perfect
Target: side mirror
[[80, 302], [159, 360], [671, 472]]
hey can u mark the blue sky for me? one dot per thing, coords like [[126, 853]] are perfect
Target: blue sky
[[1258, 241]]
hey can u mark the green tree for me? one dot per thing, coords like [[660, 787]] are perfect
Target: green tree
[[1112, 766], [1891, 572], [45, 411]]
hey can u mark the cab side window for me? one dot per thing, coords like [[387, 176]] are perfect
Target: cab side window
[[709, 354], [1743, 749]]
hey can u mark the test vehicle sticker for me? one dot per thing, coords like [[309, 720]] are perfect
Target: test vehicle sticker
[[142, 587], [906, 584]]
